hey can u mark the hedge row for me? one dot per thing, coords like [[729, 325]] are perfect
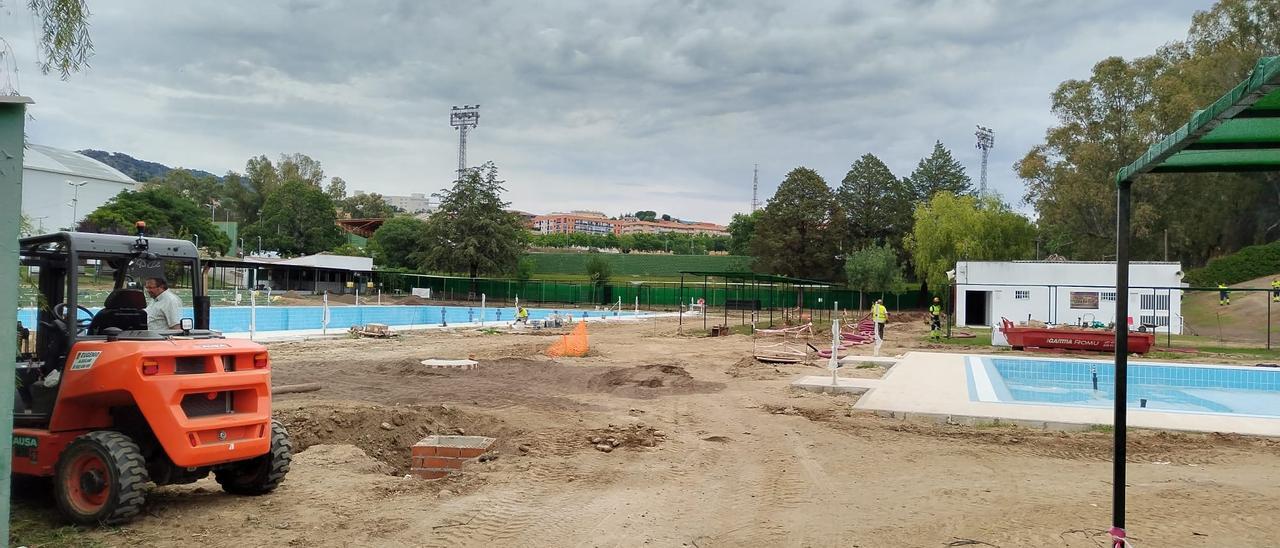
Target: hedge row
[[638, 264], [1244, 265]]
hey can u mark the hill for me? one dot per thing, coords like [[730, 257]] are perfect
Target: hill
[[138, 170], [1245, 320]]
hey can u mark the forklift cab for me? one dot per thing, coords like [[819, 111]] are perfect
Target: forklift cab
[[64, 270]]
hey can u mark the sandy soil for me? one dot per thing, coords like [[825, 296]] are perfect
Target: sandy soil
[[718, 451]]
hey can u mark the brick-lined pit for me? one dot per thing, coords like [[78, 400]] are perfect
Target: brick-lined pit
[[438, 456]]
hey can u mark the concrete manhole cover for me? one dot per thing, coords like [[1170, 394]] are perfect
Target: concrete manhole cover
[[450, 364]]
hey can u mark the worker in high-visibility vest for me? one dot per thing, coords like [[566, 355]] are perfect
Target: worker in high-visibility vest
[[935, 320], [879, 315], [1224, 296], [1275, 290]]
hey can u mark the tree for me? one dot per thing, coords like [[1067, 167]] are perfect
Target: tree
[[873, 269], [349, 249], [397, 242], [367, 206], [665, 217], [599, 271], [64, 36], [741, 229], [337, 190], [297, 219], [796, 234], [938, 173], [875, 204], [646, 215], [300, 167], [525, 269], [1105, 122], [200, 190], [167, 214], [952, 228], [471, 232]]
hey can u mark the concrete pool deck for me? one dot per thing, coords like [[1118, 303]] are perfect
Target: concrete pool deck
[[935, 386]]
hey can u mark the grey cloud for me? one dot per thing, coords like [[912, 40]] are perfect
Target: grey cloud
[[608, 105]]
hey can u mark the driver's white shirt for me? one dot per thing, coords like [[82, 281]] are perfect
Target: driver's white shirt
[[164, 311]]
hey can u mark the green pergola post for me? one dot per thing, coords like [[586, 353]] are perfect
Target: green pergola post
[[1240, 132], [13, 110]]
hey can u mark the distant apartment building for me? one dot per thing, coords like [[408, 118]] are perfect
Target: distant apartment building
[[416, 202], [636, 226], [593, 222], [589, 222]]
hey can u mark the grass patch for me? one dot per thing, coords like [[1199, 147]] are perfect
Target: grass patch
[[980, 338], [1107, 428], [35, 529], [867, 366]]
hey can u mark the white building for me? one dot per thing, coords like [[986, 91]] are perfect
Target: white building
[[416, 202], [1066, 292], [60, 187]]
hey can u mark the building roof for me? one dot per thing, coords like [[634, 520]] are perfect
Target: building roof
[[66, 162]]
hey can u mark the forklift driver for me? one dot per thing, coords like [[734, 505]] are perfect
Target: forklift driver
[[165, 310]]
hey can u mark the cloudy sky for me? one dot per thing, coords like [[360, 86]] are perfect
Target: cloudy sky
[[612, 106]]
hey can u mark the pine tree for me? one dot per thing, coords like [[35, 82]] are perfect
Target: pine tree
[[876, 205], [937, 173], [797, 234], [471, 232]]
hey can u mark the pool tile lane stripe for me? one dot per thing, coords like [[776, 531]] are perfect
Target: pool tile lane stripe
[[981, 380]]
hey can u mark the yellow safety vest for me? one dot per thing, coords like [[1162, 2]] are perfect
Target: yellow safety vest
[[879, 313], [935, 310], [1275, 284]]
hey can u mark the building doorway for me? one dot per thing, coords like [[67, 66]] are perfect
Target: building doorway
[[976, 307]]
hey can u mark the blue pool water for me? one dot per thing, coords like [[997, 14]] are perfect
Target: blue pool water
[[235, 319], [1166, 387]]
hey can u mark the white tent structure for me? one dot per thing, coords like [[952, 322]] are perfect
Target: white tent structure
[[60, 187]]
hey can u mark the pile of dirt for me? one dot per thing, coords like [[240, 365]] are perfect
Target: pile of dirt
[[630, 436], [754, 369], [650, 381], [382, 432]]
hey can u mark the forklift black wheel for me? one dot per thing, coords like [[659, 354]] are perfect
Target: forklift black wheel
[[261, 475], [101, 479]]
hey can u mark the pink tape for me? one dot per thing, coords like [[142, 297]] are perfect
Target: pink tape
[[1117, 537]]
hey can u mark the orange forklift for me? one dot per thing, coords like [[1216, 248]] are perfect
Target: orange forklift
[[106, 405]]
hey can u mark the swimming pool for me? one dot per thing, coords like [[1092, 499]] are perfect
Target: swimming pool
[[1236, 390], [235, 319]]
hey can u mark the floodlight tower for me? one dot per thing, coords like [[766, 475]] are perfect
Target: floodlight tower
[[986, 141], [755, 189], [464, 118]]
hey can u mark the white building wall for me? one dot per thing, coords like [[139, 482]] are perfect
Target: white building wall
[[1049, 287], [46, 196]]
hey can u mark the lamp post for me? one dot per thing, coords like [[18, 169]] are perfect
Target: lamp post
[[40, 222], [75, 201], [213, 211]]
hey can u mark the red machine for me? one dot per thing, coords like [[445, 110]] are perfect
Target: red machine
[[1072, 338], [107, 405]]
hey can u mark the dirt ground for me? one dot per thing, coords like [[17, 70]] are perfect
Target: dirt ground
[[716, 450]]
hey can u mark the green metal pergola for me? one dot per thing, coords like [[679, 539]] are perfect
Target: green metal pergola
[[1240, 132]]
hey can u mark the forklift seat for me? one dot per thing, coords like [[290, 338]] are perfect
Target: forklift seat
[[124, 309]]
